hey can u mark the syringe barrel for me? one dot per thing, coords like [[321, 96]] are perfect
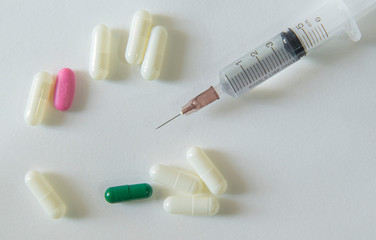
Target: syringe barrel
[[261, 63], [330, 21]]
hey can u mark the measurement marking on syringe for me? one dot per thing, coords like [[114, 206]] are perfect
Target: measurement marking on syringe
[[314, 42], [238, 63], [269, 63], [306, 42], [258, 67], [322, 33], [253, 72], [241, 79], [238, 82], [261, 64], [307, 37], [281, 56], [325, 30], [272, 62], [245, 79], [263, 61], [244, 84], [283, 51], [230, 82], [277, 56], [246, 74], [275, 61], [258, 74], [318, 34], [250, 75], [305, 47]]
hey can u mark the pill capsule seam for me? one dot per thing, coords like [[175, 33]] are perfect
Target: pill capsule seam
[[138, 37], [38, 100], [100, 52], [192, 205], [153, 60], [176, 179], [199, 161], [37, 184]]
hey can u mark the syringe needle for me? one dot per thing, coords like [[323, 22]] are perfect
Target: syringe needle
[[168, 121]]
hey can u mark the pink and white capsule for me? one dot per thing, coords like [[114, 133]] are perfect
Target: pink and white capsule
[[64, 89]]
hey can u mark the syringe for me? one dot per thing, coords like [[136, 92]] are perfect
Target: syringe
[[330, 21]]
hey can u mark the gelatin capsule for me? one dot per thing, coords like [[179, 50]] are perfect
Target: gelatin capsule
[[152, 64], [39, 98], [100, 52], [191, 205], [45, 194], [176, 179], [128, 192], [209, 174], [138, 37], [64, 89]]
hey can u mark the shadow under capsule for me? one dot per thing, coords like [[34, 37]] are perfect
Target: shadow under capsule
[[76, 208], [235, 183], [174, 59]]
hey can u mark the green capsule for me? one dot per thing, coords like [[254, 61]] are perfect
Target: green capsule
[[128, 192]]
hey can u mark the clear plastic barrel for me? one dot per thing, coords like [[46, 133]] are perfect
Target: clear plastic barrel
[[333, 19], [261, 63]]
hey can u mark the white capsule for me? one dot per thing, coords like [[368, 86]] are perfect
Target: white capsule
[[152, 64], [45, 194], [100, 52], [176, 179], [39, 97], [209, 174], [195, 206], [138, 37]]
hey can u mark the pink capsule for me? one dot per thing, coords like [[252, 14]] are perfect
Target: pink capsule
[[64, 89]]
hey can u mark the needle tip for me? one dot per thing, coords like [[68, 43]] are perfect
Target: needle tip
[[168, 121]]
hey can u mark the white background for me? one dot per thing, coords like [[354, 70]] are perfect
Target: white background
[[298, 152]]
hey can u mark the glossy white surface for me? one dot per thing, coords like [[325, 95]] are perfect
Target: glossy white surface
[[298, 152]]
